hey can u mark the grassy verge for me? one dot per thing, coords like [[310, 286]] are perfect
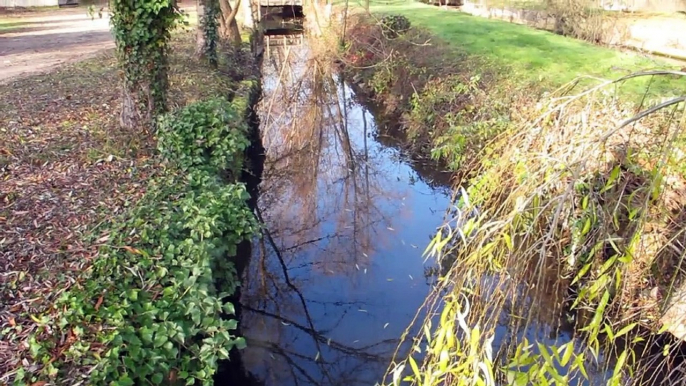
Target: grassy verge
[[8, 25], [116, 245], [568, 219], [526, 55]]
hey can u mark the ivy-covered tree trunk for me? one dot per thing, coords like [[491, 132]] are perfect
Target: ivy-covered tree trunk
[[142, 30], [207, 34]]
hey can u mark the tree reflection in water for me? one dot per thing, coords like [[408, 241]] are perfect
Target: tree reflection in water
[[338, 276]]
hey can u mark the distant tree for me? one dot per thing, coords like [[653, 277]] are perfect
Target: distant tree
[[200, 7], [207, 33], [229, 26], [216, 20]]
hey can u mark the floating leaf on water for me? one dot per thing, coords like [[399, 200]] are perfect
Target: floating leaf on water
[[385, 325]]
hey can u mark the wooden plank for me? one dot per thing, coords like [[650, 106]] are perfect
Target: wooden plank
[[281, 3], [284, 40]]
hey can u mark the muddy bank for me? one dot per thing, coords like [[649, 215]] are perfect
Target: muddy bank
[[392, 133], [442, 112]]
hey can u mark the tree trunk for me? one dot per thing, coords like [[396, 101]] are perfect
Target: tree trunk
[[130, 117], [200, 31], [229, 26]]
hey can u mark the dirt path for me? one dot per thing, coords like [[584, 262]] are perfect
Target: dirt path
[[36, 42]]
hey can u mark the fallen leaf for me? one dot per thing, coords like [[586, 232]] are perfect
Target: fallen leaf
[[98, 303], [132, 250]]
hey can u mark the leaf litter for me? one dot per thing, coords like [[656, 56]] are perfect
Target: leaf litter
[[67, 169]]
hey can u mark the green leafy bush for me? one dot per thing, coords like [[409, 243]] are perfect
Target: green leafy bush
[[150, 300], [210, 133], [394, 25], [161, 295]]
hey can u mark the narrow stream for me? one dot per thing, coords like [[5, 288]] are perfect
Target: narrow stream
[[339, 275]]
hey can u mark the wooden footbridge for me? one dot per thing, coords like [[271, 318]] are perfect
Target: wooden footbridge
[[284, 40], [281, 3], [270, 11]]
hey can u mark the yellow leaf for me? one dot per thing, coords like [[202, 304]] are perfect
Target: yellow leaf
[[415, 368]]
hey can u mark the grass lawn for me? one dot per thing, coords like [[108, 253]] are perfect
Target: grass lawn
[[10, 25], [526, 54]]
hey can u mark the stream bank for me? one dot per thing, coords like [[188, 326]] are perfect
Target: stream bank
[[601, 255]]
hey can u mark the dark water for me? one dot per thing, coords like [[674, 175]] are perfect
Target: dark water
[[340, 274]]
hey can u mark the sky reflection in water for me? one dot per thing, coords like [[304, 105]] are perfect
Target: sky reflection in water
[[350, 219]]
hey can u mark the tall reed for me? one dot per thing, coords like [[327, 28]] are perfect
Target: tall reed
[[563, 248]]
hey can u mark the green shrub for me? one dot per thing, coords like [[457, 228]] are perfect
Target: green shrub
[[150, 300], [210, 133], [161, 295], [394, 25]]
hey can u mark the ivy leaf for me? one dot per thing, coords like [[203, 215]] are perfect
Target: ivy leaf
[[160, 339], [124, 380], [240, 343], [229, 308], [157, 379], [146, 335]]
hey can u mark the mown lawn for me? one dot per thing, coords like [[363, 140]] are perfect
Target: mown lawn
[[525, 54]]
